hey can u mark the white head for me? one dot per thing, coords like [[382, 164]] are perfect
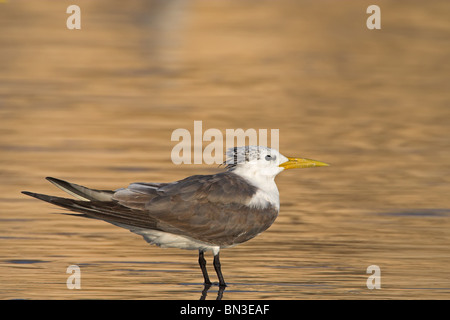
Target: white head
[[260, 165], [264, 162], [255, 160]]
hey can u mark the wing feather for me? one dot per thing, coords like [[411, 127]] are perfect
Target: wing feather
[[209, 208]]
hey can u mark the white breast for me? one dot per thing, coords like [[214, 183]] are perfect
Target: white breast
[[262, 199], [267, 192]]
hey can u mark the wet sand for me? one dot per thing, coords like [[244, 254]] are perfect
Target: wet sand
[[98, 106]]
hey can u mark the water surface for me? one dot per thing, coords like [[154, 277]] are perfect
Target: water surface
[[97, 107]]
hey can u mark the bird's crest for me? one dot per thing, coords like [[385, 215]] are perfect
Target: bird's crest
[[243, 154]]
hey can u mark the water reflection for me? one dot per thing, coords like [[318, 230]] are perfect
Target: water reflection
[[206, 287], [98, 107]]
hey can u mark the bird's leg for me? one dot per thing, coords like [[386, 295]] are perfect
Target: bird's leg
[[202, 263], [218, 270]]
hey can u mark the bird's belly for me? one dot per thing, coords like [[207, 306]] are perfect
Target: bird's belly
[[170, 240]]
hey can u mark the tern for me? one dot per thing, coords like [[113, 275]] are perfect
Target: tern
[[200, 212]]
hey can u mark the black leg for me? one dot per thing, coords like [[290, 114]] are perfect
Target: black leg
[[202, 263], [219, 271]]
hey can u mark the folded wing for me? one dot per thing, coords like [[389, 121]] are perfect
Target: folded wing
[[210, 208]]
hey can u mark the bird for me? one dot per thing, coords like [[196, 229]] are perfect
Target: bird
[[200, 212]]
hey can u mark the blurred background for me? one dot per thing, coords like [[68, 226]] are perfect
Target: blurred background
[[97, 107]]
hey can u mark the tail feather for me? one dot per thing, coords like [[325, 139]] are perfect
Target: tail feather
[[62, 202], [81, 192], [109, 211]]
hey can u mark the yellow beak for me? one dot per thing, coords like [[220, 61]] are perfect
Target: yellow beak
[[302, 163]]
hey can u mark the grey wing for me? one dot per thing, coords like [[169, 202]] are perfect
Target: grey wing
[[210, 208], [137, 194]]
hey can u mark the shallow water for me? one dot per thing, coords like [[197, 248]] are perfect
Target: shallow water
[[98, 107]]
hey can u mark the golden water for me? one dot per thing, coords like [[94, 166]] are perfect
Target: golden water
[[97, 107]]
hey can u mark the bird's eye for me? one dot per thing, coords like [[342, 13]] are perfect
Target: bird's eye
[[269, 157]]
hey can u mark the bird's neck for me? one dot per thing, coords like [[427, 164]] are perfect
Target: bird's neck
[[267, 192]]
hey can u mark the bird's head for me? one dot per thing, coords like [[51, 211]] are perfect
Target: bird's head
[[265, 161]]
